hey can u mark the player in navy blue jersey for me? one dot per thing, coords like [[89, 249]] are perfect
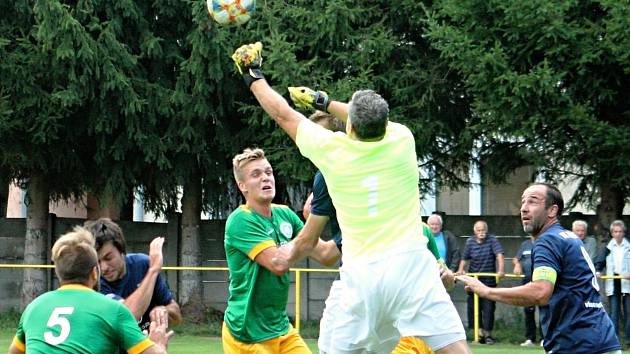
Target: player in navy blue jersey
[[134, 277], [563, 284]]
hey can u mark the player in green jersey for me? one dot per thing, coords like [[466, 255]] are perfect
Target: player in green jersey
[[390, 280], [77, 319], [256, 320]]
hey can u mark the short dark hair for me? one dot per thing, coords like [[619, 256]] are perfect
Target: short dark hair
[[105, 230], [553, 196], [74, 256], [368, 113]]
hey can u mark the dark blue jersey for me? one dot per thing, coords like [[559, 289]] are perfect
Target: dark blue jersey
[[574, 320], [322, 205], [137, 266]]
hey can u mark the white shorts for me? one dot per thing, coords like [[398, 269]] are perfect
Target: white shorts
[[328, 318], [377, 302]]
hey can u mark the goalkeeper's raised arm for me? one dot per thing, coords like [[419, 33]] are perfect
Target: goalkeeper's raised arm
[[248, 60]]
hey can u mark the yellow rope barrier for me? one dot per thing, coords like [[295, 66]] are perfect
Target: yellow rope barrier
[[298, 282]]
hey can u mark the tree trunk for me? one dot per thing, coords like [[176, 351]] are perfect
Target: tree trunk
[[190, 288], [36, 245], [608, 210], [4, 197], [96, 209]]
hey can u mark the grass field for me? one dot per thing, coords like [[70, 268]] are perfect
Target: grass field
[[187, 344]]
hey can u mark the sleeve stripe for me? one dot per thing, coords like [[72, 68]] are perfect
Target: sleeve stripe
[[545, 273], [260, 247], [18, 344], [141, 346]]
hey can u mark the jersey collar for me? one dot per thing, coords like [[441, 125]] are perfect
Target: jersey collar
[[74, 287]]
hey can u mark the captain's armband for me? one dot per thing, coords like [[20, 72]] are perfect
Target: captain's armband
[[545, 273]]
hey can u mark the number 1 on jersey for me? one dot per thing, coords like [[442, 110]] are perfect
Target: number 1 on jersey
[[371, 183]]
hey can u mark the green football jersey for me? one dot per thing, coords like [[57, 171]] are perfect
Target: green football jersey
[[257, 304], [77, 319], [374, 186], [426, 231]]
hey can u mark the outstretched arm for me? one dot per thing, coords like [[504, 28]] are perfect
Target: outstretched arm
[[533, 293], [339, 110], [277, 107], [309, 99]]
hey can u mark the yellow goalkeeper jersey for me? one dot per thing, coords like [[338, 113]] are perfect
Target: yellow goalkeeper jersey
[[373, 185]]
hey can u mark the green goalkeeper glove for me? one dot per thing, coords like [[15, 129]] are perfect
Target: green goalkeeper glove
[[248, 60], [305, 98]]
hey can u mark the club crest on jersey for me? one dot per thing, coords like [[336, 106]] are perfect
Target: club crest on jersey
[[286, 229]]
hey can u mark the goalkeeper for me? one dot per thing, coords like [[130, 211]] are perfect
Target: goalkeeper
[[320, 209], [389, 279]]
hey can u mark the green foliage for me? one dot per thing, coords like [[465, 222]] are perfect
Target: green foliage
[[108, 96], [549, 85], [341, 46]]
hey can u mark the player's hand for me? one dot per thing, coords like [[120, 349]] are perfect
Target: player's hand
[[284, 255], [158, 329], [248, 60], [156, 258], [307, 99], [473, 284], [157, 312], [448, 278], [518, 270]]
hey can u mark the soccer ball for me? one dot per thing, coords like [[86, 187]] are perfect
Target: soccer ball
[[227, 12]]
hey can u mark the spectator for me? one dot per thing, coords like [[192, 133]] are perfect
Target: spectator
[[485, 254], [523, 265], [580, 228], [617, 261], [446, 242]]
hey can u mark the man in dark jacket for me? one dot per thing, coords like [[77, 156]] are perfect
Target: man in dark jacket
[[446, 242]]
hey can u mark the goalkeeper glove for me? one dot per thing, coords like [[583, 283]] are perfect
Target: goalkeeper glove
[[248, 59], [305, 98]]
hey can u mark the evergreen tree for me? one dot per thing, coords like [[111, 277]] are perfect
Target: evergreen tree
[[549, 87]]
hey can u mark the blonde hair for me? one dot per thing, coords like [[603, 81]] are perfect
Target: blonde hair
[[242, 159], [74, 256], [327, 121]]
